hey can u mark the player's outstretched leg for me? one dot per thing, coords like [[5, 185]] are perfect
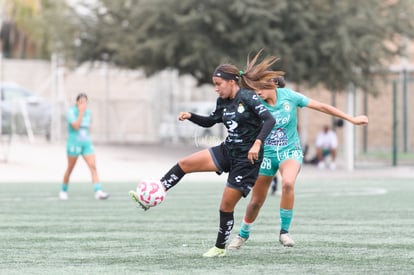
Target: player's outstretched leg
[[134, 196]]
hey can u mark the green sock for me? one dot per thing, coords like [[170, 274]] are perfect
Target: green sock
[[285, 219], [97, 186], [64, 187], [245, 229]]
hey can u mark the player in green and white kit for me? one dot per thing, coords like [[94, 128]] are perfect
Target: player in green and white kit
[[79, 143], [284, 153]]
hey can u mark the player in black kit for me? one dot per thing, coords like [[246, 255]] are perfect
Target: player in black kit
[[248, 123]]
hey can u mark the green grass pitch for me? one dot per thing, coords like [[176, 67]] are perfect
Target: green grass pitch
[[360, 226]]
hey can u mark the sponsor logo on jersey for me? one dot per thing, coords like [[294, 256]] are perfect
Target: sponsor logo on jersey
[[232, 125], [277, 138], [290, 154], [282, 120], [261, 108]]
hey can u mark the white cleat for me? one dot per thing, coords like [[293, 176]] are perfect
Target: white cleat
[[63, 196], [101, 195], [236, 243], [321, 165], [286, 240]]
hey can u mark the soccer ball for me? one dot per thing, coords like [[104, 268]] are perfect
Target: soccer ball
[[151, 192]]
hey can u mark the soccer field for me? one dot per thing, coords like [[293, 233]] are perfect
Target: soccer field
[[360, 226]]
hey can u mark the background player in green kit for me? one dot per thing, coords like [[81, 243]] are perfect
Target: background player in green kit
[[248, 124], [79, 143], [283, 152]]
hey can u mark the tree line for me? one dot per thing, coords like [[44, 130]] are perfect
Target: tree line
[[334, 43]]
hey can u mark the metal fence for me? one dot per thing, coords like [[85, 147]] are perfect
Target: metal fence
[[128, 107]]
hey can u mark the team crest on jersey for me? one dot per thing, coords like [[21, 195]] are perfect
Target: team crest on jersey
[[286, 106], [240, 109]]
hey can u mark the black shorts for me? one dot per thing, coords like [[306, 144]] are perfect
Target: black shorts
[[242, 173]]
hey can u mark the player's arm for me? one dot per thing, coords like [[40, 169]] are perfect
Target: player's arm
[[82, 109], [331, 110], [203, 121], [268, 123], [77, 123], [267, 126]]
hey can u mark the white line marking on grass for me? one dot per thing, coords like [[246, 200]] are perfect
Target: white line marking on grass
[[361, 192], [6, 199], [351, 193]]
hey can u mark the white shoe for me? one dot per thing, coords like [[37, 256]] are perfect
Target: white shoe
[[321, 165], [63, 196], [236, 243], [286, 240], [101, 195], [332, 166]]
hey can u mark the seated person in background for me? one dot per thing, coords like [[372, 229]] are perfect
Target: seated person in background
[[326, 144], [275, 182]]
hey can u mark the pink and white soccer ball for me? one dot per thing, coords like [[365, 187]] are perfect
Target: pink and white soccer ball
[[151, 192]]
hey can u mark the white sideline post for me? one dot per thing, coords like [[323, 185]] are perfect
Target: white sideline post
[[56, 123], [1, 98], [26, 120], [349, 131]]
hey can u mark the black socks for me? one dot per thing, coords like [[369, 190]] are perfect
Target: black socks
[[226, 225], [172, 177]]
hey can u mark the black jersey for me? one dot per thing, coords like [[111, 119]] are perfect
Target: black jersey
[[243, 117]]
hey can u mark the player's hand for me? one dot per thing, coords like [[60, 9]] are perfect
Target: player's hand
[[184, 115], [360, 120], [82, 104], [253, 153]]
